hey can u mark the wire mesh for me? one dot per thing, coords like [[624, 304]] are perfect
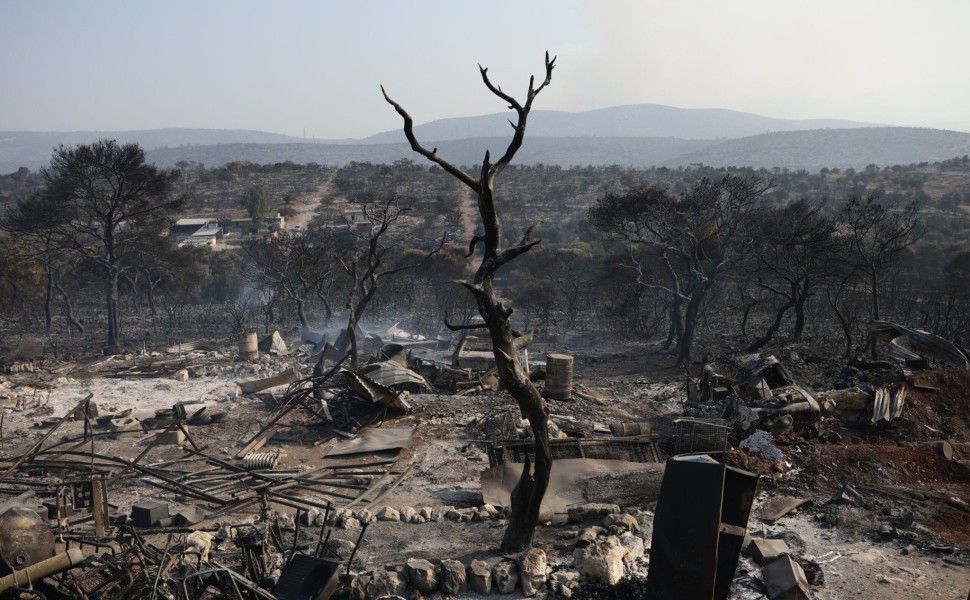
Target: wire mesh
[[685, 435]]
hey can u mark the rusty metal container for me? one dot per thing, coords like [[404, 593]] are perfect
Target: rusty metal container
[[248, 346], [626, 429], [559, 377], [25, 539]]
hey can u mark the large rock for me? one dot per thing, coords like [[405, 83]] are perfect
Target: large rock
[[505, 577], [480, 577], [532, 570], [633, 544], [453, 577], [387, 583], [388, 514], [622, 521], [588, 535], [423, 575], [563, 583], [593, 510], [601, 560], [358, 587]]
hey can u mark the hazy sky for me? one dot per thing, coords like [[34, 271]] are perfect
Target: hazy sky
[[316, 65]]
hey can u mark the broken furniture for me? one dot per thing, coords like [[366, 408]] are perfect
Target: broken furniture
[[698, 528]]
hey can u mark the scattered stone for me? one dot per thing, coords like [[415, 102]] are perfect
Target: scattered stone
[[480, 577], [364, 516], [349, 523], [601, 560], [847, 495], [587, 536], [408, 514], [585, 512], [622, 521], [505, 577], [563, 583], [182, 375], [633, 544], [387, 583], [422, 575], [532, 570], [427, 512], [388, 514], [358, 587], [453, 578]]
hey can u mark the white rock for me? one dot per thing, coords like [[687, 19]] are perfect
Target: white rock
[[532, 570], [602, 560], [388, 514]]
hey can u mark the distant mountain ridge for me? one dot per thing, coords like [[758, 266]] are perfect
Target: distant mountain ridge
[[637, 136], [632, 120]]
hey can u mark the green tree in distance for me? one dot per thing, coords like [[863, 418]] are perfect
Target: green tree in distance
[[256, 202]]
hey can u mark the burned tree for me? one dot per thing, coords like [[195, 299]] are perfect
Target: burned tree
[[529, 491], [298, 266], [795, 253], [40, 222], [367, 266], [696, 238], [114, 200], [879, 235]]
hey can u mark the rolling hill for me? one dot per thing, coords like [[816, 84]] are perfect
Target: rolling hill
[[637, 136]]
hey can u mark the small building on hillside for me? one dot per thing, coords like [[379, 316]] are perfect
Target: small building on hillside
[[196, 232], [277, 223]]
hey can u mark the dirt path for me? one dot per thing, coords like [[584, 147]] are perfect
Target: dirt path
[[308, 206], [468, 209]]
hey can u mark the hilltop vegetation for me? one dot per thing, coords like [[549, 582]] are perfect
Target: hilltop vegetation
[[637, 136], [578, 280]]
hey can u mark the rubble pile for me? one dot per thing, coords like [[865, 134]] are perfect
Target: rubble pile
[[290, 473]]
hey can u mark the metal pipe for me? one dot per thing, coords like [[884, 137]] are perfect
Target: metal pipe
[[44, 568]]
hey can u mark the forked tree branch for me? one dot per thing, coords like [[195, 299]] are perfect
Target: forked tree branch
[[521, 109], [431, 155]]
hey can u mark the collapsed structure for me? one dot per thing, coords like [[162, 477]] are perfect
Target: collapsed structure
[[304, 478]]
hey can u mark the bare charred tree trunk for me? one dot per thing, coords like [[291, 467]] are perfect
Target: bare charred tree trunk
[[528, 493], [68, 309], [366, 269]]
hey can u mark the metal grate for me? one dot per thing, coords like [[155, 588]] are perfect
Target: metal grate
[[685, 435], [631, 449]]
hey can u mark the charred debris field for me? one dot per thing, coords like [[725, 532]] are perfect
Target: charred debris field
[[277, 470], [265, 383]]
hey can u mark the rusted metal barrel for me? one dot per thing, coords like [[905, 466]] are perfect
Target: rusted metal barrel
[[248, 346], [559, 377], [629, 429]]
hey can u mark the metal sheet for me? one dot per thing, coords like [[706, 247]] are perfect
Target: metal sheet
[[285, 378], [375, 440], [934, 346], [888, 403], [569, 482]]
